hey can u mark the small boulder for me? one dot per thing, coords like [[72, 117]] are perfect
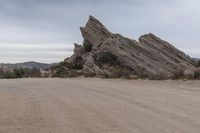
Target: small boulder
[[133, 76]]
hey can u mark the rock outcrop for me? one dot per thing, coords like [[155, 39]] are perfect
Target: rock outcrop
[[105, 54]]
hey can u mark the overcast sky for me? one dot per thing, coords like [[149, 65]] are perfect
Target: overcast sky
[[45, 30]]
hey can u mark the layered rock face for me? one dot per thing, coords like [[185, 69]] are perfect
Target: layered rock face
[[105, 54]]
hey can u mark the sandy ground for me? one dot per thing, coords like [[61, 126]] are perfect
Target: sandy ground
[[99, 106]]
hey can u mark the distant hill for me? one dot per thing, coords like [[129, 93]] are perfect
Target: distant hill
[[30, 64]]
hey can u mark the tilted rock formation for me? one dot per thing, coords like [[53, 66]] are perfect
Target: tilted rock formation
[[105, 54]]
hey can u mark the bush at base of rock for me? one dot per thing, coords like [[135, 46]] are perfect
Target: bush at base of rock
[[87, 46], [197, 75]]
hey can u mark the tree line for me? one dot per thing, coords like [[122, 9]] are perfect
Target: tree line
[[20, 73]]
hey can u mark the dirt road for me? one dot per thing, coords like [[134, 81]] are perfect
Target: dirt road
[[99, 106]]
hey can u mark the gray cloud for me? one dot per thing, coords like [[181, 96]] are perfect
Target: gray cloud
[[40, 25]]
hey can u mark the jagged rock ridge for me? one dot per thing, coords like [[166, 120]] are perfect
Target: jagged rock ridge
[[105, 54]]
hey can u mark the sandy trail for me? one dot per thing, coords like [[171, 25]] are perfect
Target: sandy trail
[[99, 106]]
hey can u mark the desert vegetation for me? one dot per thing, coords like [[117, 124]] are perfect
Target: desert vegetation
[[87, 46], [20, 73]]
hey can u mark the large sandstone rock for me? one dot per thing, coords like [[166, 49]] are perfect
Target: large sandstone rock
[[113, 55], [95, 33]]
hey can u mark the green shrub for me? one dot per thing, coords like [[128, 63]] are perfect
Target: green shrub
[[19, 72], [9, 75], [60, 72], [197, 75], [87, 46], [34, 72], [77, 63]]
